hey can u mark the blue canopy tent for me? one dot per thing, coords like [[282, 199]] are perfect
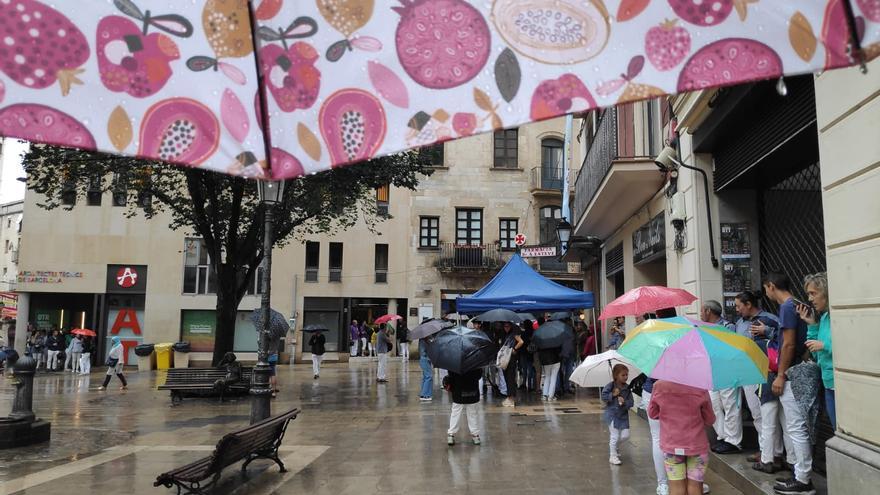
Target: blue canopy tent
[[518, 287]]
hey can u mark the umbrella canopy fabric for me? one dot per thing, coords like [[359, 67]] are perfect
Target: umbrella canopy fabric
[[455, 316], [461, 349], [595, 370], [560, 315], [386, 318], [347, 80], [552, 334], [646, 299], [278, 326], [428, 328], [527, 316], [695, 353], [315, 328], [84, 332], [499, 315]]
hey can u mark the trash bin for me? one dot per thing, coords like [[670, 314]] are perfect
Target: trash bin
[[146, 357], [163, 356], [181, 354]]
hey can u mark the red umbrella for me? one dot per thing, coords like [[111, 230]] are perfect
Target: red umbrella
[[386, 318], [84, 332], [646, 299]]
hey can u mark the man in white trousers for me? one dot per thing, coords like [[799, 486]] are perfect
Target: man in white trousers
[[726, 403], [382, 352]]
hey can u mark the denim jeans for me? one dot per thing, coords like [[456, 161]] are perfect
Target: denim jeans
[[527, 371], [830, 407], [565, 371], [427, 377]]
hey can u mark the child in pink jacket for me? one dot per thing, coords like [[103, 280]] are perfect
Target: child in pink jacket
[[684, 412]]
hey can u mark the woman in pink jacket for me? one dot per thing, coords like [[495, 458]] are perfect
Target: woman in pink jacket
[[684, 413]]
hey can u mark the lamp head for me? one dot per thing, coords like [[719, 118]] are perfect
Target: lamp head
[[563, 232], [667, 159]]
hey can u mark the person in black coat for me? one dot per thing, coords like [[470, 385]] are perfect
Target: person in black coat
[[316, 343], [550, 359], [55, 344], [465, 389]]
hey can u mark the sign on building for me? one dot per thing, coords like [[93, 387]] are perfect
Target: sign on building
[[538, 252], [649, 241]]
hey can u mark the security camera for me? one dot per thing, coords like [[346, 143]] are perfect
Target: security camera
[[667, 159]]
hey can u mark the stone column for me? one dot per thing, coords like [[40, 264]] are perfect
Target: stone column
[[21, 322]]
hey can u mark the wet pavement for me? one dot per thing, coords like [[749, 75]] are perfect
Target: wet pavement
[[354, 436]]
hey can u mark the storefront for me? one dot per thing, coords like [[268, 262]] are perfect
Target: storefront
[[125, 304]]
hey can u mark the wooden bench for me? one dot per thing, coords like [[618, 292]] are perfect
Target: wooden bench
[[183, 382], [257, 441]]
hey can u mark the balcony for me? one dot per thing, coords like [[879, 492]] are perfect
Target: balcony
[[548, 180], [618, 175], [465, 258]]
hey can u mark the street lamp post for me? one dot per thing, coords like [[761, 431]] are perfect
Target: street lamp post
[[563, 233], [270, 193]]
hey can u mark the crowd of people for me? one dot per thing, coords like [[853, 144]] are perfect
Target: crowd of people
[[57, 350]]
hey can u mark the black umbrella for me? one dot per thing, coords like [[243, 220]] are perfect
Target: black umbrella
[[278, 326], [560, 315], [429, 327], [527, 316], [315, 328], [500, 315], [552, 334], [461, 349]]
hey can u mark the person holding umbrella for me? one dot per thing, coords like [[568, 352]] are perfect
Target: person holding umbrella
[[513, 340], [465, 390], [316, 343], [382, 348]]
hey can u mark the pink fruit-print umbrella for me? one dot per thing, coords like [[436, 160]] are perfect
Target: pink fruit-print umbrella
[[334, 82]]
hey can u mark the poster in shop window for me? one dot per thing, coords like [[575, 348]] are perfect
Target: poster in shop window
[[199, 327]]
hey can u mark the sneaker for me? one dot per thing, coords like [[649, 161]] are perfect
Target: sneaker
[[783, 480], [706, 489], [663, 489], [101, 388], [315, 377], [552, 399], [768, 467], [450, 440], [726, 448], [756, 457], [425, 399], [476, 439], [124, 387], [543, 398], [508, 402], [614, 460], [795, 487]]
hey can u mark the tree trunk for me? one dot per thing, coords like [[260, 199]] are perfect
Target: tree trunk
[[227, 308]]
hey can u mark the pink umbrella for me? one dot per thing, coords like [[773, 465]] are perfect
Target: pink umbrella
[[334, 82], [646, 299], [386, 318]]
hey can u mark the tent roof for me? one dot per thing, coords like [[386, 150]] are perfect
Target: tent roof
[[520, 288]]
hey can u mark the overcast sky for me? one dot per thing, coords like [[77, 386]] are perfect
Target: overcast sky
[[10, 188]]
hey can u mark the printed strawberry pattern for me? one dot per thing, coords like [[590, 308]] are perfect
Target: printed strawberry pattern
[[347, 80]]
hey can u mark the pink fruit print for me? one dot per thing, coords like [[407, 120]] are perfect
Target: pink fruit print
[[464, 123], [132, 61], [40, 46], [556, 97], [289, 70], [633, 91], [268, 9], [285, 165], [43, 124], [709, 12], [729, 61], [441, 44], [667, 45], [835, 35], [353, 125], [179, 130], [870, 8]]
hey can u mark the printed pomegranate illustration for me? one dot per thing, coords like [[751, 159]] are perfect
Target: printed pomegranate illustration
[[729, 61], [553, 31], [132, 61], [441, 44], [227, 29], [40, 46], [45, 125], [352, 124], [290, 75], [285, 165], [179, 130], [667, 45], [560, 96], [870, 8], [703, 12]]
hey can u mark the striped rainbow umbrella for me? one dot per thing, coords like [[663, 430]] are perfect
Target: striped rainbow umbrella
[[695, 353]]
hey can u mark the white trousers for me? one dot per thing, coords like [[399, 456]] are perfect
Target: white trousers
[[773, 436], [316, 364], [404, 350], [75, 364], [364, 348], [85, 363], [796, 426], [53, 360], [354, 349], [615, 438], [657, 454], [728, 415], [551, 375], [455, 419], [754, 403], [383, 366], [68, 361]]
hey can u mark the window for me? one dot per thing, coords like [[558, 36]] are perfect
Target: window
[[7, 245], [433, 154], [508, 228], [197, 276], [382, 196], [549, 217], [506, 148], [381, 263], [551, 163], [94, 193], [313, 258], [9, 222], [468, 227], [336, 262], [68, 193], [257, 286], [429, 232], [120, 189]]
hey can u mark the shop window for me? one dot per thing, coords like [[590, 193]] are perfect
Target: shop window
[[336, 262], [429, 232], [256, 286], [381, 264], [468, 227], [313, 258], [197, 276], [68, 193], [434, 154], [508, 227], [383, 195], [95, 193], [120, 190], [506, 148]]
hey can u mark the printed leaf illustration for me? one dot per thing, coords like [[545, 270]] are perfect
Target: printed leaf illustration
[[367, 43], [610, 87], [508, 74], [119, 129], [742, 8], [631, 8], [635, 67], [496, 121], [800, 33], [308, 141], [233, 73], [337, 50], [388, 84], [268, 9], [482, 100], [234, 116]]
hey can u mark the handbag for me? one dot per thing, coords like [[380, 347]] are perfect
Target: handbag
[[503, 358], [112, 362]]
